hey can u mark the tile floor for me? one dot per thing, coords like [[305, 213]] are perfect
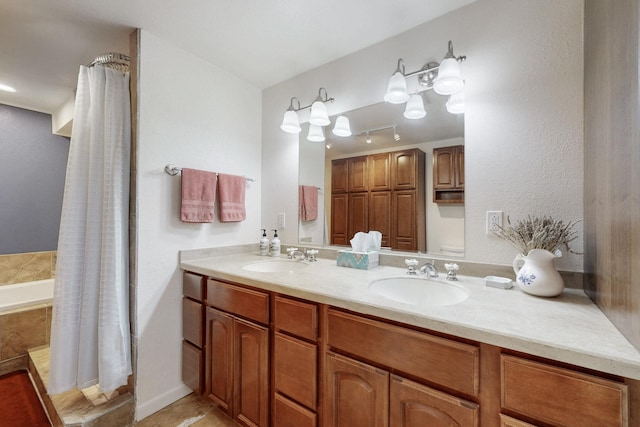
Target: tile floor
[[190, 411]]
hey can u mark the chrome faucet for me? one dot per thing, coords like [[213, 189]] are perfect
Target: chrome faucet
[[429, 269], [295, 253], [302, 255]]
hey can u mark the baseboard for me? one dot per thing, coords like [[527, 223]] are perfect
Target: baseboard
[[152, 406]]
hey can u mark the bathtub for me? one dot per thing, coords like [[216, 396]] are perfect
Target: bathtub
[[26, 294]]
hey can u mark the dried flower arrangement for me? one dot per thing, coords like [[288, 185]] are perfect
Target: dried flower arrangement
[[538, 233]]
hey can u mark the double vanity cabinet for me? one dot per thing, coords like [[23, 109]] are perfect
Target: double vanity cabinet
[[270, 359]]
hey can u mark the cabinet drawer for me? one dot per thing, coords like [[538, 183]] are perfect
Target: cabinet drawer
[[234, 299], [296, 317], [560, 396], [439, 360], [192, 321], [192, 367], [296, 365], [506, 421], [193, 286], [289, 414]]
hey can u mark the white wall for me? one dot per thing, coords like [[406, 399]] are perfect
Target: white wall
[[192, 114], [523, 120]]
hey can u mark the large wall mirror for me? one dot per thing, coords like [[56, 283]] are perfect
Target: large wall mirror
[[444, 227]]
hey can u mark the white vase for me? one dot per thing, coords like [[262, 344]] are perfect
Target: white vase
[[536, 274]]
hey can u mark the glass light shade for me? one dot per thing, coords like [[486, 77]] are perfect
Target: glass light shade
[[316, 133], [290, 122], [342, 127], [455, 104], [449, 80], [415, 108], [397, 89], [319, 116]]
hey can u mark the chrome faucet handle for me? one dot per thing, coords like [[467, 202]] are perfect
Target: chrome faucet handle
[[290, 252], [411, 263], [311, 255], [452, 268]]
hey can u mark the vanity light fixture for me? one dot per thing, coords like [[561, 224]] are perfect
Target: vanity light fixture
[[342, 127], [449, 80], [291, 122], [415, 107], [316, 133], [318, 116], [444, 78], [455, 104]]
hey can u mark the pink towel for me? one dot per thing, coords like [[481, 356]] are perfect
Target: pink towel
[[231, 190], [198, 195], [308, 203]]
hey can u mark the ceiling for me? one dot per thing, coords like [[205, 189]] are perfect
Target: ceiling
[[438, 125], [42, 42]]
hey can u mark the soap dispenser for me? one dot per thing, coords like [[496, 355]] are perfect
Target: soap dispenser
[[264, 243], [274, 247]]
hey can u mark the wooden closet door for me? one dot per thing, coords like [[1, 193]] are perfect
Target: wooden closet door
[[358, 214], [339, 176], [404, 221], [404, 169], [380, 172], [380, 214], [358, 174], [340, 219]]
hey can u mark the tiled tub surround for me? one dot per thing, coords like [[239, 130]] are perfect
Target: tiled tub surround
[[568, 328], [20, 330], [27, 267]]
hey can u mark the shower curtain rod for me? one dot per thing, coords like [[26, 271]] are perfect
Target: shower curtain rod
[[115, 60], [174, 170]]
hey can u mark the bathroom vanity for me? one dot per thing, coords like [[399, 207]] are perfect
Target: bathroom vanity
[[312, 345]]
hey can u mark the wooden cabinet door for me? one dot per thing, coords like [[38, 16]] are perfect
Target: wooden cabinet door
[[251, 381], [358, 214], [415, 405], [357, 395], [404, 221], [358, 174], [340, 219], [459, 159], [219, 358], [404, 169], [380, 172], [380, 214], [339, 176], [444, 166]]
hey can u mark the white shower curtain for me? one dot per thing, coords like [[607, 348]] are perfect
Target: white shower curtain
[[90, 337]]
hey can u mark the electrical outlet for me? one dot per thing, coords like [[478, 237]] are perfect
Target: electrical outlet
[[281, 220], [494, 220]]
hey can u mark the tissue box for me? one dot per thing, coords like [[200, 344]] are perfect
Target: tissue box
[[360, 260]]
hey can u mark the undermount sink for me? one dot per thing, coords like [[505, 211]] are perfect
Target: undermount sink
[[275, 266], [419, 291]]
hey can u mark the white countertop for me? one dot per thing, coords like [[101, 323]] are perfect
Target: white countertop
[[568, 328]]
